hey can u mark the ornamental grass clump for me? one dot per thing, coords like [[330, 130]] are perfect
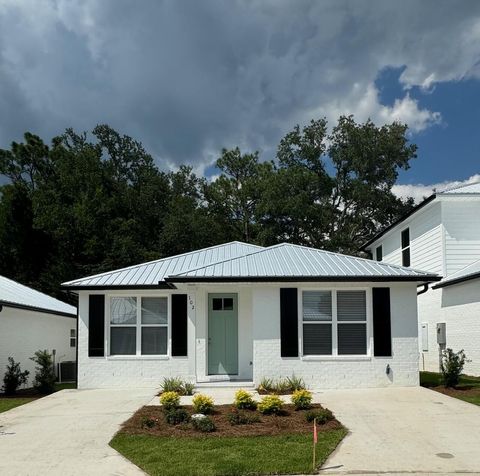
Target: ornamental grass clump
[[270, 404], [170, 400], [302, 399], [202, 404], [244, 400]]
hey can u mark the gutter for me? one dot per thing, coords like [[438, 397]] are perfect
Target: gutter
[[462, 279], [37, 309]]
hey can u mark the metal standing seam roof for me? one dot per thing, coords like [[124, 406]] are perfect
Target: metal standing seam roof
[[290, 262], [153, 272], [471, 188], [472, 271], [13, 294]]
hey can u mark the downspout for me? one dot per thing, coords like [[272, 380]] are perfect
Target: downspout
[[424, 290]]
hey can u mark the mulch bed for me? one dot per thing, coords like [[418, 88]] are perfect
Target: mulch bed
[[464, 391], [289, 422], [24, 393]]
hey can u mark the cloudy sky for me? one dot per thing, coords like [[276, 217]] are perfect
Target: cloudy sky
[[190, 77]]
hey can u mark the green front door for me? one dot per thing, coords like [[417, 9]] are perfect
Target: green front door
[[222, 334]]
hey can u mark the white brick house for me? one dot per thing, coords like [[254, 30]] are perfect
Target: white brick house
[[442, 235], [31, 321], [242, 312]]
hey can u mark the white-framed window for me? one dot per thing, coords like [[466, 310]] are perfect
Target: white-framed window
[[334, 322], [379, 253], [138, 325], [73, 337]]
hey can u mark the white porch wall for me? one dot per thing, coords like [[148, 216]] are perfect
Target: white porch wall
[[24, 332], [459, 307], [344, 371]]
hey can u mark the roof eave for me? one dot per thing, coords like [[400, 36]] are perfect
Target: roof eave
[[459, 280], [26, 307], [291, 279], [400, 220], [103, 287]]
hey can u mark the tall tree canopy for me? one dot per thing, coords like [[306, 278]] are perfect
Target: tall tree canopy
[[86, 204]]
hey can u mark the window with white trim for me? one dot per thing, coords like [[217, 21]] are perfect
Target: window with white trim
[[73, 338], [334, 322], [405, 242], [138, 325]]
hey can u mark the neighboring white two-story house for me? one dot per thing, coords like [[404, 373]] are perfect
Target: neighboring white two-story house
[[441, 235]]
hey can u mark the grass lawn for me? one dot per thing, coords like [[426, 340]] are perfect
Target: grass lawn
[[468, 388], [226, 456], [9, 403]]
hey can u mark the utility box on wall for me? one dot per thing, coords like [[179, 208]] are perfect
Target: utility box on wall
[[441, 333]]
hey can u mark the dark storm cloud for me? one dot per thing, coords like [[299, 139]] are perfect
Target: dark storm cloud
[[189, 77]]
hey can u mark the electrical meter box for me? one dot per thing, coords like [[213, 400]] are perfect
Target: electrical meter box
[[441, 333]]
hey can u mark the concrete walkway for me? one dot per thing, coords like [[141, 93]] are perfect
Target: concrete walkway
[[67, 433], [404, 430]]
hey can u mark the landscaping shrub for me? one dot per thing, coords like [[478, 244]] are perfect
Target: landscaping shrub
[[170, 400], [244, 400], [282, 385], [202, 403], [302, 399], [323, 415], [148, 422], [176, 416], [45, 374], [242, 418], [270, 404], [176, 384], [188, 388], [203, 424], [13, 377], [295, 383], [452, 366]]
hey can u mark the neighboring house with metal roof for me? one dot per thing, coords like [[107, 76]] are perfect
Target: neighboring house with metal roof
[[442, 235], [242, 312], [31, 321]]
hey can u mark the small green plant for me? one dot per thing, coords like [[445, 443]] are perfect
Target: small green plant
[[242, 418], [452, 366], [270, 404], [266, 384], [205, 425], [148, 422], [281, 386], [202, 404], [170, 400], [302, 399], [45, 377], [244, 400], [188, 388], [176, 416], [295, 383], [14, 377], [322, 416]]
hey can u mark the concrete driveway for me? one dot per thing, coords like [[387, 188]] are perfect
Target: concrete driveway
[[67, 433], [404, 430]]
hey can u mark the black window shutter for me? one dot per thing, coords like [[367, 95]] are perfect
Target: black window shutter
[[179, 325], [96, 325], [288, 322], [382, 335]]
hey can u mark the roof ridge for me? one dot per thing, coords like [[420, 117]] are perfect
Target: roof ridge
[[381, 263], [226, 260], [134, 266]]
